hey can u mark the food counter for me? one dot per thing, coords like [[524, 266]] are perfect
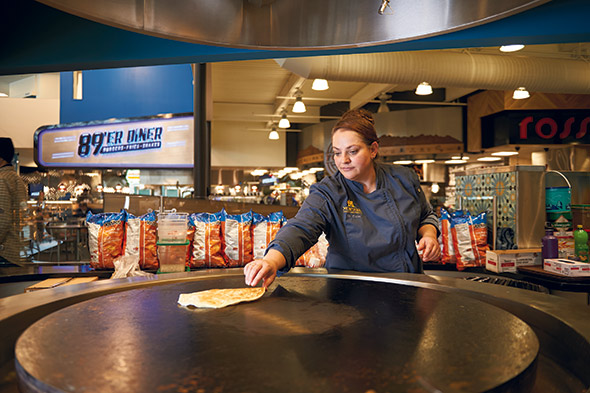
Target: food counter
[[305, 316]]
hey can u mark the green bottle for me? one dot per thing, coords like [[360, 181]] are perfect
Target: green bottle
[[581, 244]]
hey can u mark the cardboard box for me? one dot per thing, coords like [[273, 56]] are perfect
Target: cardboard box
[[567, 267], [49, 283], [501, 261]]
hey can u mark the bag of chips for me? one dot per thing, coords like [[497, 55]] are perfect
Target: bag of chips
[[316, 255], [264, 230], [446, 246], [237, 238], [141, 240], [190, 236], [469, 240], [106, 235], [480, 231], [208, 240]]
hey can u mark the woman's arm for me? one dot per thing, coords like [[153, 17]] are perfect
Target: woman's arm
[[264, 269], [428, 243]]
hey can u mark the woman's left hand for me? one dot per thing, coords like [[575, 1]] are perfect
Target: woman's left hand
[[430, 248]]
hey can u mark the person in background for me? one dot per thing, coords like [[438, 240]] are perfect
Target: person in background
[[13, 200], [374, 215]]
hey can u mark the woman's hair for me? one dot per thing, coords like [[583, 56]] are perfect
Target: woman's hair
[[359, 121]]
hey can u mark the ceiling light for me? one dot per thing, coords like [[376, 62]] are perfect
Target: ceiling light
[[403, 162], [273, 135], [383, 97], [511, 48], [434, 188], [504, 153], [320, 84], [520, 94], [423, 89], [455, 157], [284, 122], [259, 172], [489, 159], [455, 162], [430, 161], [298, 106]]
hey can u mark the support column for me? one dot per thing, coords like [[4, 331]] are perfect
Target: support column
[[202, 134]]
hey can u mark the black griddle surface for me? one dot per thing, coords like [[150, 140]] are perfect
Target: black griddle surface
[[306, 334]]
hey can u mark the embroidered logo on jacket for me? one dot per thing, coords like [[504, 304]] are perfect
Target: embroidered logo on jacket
[[350, 208]]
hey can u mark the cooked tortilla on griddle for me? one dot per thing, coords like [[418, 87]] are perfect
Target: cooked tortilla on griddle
[[218, 298]]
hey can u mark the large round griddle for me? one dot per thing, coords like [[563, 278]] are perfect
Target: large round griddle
[[306, 334]]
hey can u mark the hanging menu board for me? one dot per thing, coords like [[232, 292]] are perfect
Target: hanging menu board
[[148, 142]]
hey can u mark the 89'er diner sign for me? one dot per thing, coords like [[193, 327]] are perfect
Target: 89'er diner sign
[[147, 142]]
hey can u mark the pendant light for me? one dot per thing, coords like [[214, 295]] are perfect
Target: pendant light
[[319, 84], [284, 122], [273, 135], [298, 106], [424, 89], [520, 94], [383, 107]]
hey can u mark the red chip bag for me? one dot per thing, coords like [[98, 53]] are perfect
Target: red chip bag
[[106, 234]]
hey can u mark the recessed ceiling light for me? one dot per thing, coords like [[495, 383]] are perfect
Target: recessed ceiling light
[[504, 153], [511, 48], [403, 162], [489, 159], [424, 161], [455, 162]]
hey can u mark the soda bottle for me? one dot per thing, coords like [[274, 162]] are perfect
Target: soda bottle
[[581, 244]]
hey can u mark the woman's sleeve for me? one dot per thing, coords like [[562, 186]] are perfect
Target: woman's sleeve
[[302, 231]]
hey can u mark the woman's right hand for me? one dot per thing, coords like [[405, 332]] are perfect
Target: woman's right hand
[[264, 270]]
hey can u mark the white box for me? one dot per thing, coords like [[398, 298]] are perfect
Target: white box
[[501, 261], [567, 267]]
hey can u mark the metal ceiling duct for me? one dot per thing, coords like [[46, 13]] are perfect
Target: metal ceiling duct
[[450, 69], [293, 24]]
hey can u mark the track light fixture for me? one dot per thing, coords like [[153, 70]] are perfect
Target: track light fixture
[[319, 84], [424, 89], [284, 122], [520, 94], [298, 106]]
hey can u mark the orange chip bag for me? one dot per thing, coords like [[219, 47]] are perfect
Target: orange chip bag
[[264, 230], [237, 238], [207, 241], [106, 234], [141, 240]]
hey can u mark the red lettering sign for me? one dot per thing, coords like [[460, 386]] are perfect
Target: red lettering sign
[[547, 127]]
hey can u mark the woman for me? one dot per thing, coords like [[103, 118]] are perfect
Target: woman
[[372, 213]]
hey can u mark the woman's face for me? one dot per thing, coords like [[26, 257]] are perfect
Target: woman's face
[[352, 156]]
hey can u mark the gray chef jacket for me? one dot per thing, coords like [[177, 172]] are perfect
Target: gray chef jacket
[[373, 232]]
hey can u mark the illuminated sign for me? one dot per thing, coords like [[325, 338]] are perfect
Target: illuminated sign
[[149, 142], [539, 127]]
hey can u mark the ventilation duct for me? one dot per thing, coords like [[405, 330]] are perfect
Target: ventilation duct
[[449, 69]]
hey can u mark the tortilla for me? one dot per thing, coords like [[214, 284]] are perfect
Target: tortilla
[[219, 298]]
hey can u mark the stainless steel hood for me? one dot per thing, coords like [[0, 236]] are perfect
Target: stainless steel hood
[[290, 24]]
